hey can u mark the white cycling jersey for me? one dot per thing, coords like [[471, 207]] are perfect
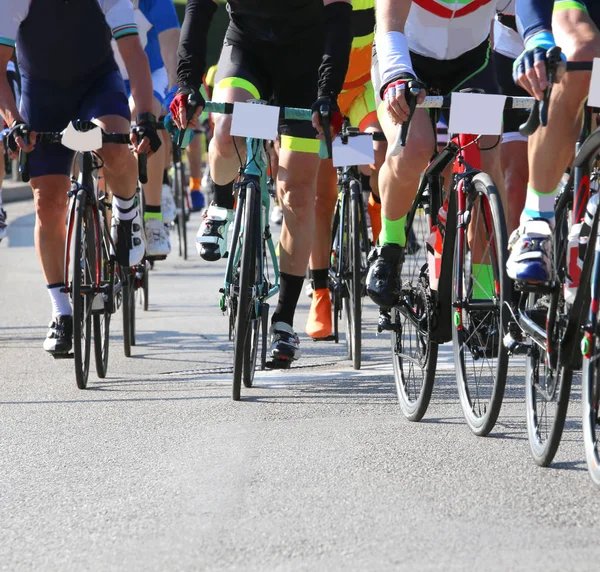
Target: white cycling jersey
[[447, 29]]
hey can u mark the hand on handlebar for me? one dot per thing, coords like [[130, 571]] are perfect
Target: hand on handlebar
[[336, 119], [144, 136], [186, 107], [20, 137], [541, 64], [395, 98]]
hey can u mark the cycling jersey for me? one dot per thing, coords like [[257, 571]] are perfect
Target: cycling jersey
[[447, 29], [152, 18], [62, 42], [506, 38]]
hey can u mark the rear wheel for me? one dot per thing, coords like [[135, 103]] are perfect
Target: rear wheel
[[480, 357], [83, 273], [414, 353], [101, 317], [128, 301]]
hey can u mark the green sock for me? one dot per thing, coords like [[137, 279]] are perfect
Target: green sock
[[393, 231], [148, 216], [483, 282]]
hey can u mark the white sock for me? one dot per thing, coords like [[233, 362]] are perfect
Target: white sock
[[538, 205], [126, 207], [61, 303]]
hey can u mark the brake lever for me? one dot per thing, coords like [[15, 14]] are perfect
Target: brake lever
[[411, 99], [326, 123], [190, 108], [24, 160]]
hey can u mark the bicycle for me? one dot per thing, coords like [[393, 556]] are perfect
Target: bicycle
[[442, 296], [349, 252], [93, 278], [551, 324], [180, 196]]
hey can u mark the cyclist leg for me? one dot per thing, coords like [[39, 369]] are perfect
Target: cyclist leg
[[3, 225], [238, 78], [551, 148], [194, 155]]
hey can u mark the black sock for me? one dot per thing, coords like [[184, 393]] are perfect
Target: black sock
[[376, 198], [365, 181], [166, 178], [152, 209], [224, 196], [320, 278], [290, 288]]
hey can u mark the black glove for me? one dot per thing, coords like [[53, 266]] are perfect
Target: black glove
[[336, 119], [18, 129], [146, 127], [188, 98]]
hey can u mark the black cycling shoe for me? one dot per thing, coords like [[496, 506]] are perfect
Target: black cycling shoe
[[383, 279], [59, 339]]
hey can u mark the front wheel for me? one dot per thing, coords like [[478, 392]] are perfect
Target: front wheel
[[480, 286], [590, 397]]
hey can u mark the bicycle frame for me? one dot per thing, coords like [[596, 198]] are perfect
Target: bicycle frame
[[256, 171]]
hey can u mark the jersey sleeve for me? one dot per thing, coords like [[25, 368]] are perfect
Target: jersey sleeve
[[12, 13], [534, 16], [119, 16], [162, 15]]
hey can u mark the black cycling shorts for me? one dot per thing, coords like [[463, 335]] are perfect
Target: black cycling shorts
[[512, 117], [474, 69], [282, 74]]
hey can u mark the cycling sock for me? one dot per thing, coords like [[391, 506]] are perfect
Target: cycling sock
[[126, 207], [320, 278], [61, 304], [538, 205], [224, 196], [152, 212], [166, 180], [393, 231], [365, 182], [195, 183], [290, 288], [483, 281]]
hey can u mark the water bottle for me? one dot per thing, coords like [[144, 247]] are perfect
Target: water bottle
[[573, 267]]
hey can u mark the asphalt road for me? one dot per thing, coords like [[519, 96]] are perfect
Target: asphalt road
[[155, 468]]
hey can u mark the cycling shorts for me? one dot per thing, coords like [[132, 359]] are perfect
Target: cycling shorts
[[592, 7], [48, 108], [160, 85], [358, 105], [282, 74]]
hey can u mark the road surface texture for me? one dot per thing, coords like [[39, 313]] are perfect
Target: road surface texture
[[155, 468]]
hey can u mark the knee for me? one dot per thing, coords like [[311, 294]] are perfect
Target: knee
[[325, 202], [411, 160], [298, 199], [51, 204], [223, 141], [118, 159]]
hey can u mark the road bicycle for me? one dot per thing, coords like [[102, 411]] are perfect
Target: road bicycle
[[550, 323], [95, 281], [454, 286], [349, 252]]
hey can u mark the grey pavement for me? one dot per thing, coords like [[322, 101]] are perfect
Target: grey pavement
[[155, 468], [13, 191]]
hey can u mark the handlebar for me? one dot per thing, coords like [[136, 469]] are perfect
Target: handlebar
[[444, 102], [539, 112]]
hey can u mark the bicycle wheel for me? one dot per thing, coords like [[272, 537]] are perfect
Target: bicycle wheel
[[83, 273], [356, 271], [181, 214], [145, 287], [128, 302], [414, 353], [245, 304], [547, 383], [590, 397], [480, 289], [102, 315]]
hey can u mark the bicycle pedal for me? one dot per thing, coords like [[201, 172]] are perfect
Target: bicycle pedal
[[537, 288], [64, 356]]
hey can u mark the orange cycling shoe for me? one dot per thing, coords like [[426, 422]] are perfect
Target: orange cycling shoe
[[374, 209], [318, 325]]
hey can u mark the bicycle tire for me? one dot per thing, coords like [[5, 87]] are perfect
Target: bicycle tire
[[590, 398], [480, 357], [133, 287], [244, 298], [334, 287], [412, 346], [101, 320], [83, 269], [146, 287], [544, 438], [126, 291], [357, 273], [180, 204]]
